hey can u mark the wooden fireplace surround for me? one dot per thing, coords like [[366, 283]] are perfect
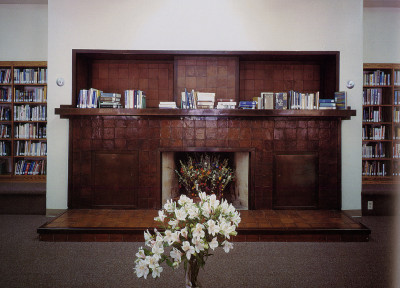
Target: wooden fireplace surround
[[115, 154]]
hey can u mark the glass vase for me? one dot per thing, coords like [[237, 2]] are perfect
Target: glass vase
[[191, 274]]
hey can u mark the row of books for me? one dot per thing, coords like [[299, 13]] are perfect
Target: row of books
[[29, 148], [396, 150], [376, 78], [374, 133], [372, 114], [374, 168], [396, 115], [135, 99], [5, 76], [30, 167], [372, 96], [396, 169], [94, 98], [30, 113], [5, 131], [31, 94], [197, 100], [30, 76], [376, 150], [396, 97], [5, 94], [396, 135], [88, 98], [5, 148], [397, 77], [5, 113], [30, 131]]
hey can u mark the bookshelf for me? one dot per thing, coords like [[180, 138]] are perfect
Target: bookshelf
[[138, 137], [381, 132], [23, 120]]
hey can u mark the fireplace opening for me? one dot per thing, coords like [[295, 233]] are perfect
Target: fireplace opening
[[236, 192]]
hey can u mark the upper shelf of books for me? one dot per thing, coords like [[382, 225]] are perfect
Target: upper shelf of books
[[206, 83]]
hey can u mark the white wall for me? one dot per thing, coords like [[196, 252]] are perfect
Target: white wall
[[381, 35], [292, 25], [23, 32]]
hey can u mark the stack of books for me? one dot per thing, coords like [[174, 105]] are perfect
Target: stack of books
[[110, 100], [167, 105], [326, 104], [247, 104], [205, 100], [226, 104], [341, 100]]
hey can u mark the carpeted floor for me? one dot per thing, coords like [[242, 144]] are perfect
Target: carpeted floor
[[27, 262]]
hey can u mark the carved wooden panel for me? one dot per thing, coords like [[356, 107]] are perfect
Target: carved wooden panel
[[296, 181]]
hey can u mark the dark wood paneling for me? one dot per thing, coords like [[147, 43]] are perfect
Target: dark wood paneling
[[296, 181], [147, 135], [115, 179]]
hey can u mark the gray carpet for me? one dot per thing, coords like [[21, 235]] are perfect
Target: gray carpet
[[27, 262]]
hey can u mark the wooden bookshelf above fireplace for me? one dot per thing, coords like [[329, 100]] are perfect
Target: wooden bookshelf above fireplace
[[137, 137]]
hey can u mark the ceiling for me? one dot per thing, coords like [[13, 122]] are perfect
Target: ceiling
[[367, 3]]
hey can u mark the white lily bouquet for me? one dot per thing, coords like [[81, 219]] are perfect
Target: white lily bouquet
[[191, 230]]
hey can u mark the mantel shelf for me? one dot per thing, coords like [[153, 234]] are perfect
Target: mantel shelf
[[68, 111]]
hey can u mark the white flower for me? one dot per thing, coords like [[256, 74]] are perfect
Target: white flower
[[236, 219], [169, 206], [140, 254], [173, 223], [226, 229], [157, 249], [203, 196], [227, 246], [176, 255], [198, 231], [147, 237], [152, 261], [212, 227], [198, 245], [214, 202], [206, 209], [157, 271], [189, 250], [184, 232], [141, 269], [180, 214], [193, 212], [161, 216], [214, 243], [183, 200], [168, 237]]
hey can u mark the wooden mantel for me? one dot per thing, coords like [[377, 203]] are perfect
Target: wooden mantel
[[68, 111]]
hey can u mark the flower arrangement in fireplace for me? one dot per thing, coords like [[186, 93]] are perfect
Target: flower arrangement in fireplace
[[205, 173], [190, 229]]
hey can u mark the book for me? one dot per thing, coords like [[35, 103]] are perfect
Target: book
[[247, 104], [167, 105], [268, 100], [341, 100], [281, 100]]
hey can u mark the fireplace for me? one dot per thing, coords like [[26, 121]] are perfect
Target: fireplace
[[237, 192]]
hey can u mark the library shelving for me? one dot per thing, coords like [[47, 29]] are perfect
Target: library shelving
[[380, 133], [23, 120]]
